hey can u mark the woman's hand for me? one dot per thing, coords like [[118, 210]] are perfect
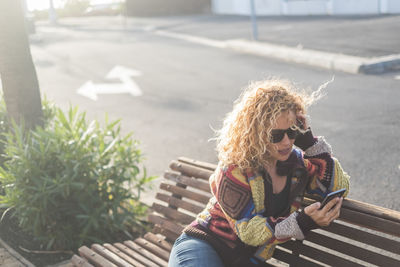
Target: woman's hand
[[327, 214], [302, 121]]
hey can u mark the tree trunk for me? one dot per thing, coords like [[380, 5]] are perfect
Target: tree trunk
[[17, 72]]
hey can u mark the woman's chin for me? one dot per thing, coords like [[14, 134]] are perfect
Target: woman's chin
[[283, 155], [283, 158]]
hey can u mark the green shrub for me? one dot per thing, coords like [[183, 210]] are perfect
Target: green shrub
[[5, 125], [71, 182]]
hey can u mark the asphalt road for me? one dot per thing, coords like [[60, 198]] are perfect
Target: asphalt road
[[188, 88]]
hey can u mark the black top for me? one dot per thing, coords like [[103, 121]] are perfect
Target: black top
[[276, 204]]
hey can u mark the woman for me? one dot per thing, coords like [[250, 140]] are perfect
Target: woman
[[260, 182]]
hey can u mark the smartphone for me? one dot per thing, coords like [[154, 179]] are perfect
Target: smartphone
[[331, 196]]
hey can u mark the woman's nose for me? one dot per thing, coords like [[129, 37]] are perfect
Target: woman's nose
[[285, 139]]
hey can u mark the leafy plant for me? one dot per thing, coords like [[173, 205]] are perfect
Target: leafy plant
[[5, 125], [72, 182]]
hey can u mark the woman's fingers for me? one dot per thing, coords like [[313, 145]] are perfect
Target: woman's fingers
[[330, 212], [311, 209], [327, 214], [303, 119], [330, 205], [335, 212]]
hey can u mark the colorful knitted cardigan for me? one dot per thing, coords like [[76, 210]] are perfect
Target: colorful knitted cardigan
[[235, 212]]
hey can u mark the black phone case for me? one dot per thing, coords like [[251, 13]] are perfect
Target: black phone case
[[331, 196]]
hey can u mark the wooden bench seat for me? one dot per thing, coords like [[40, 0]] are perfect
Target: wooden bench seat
[[364, 235]]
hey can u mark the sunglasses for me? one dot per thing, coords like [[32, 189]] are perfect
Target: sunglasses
[[277, 135]]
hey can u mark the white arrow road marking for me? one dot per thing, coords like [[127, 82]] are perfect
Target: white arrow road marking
[[120, 71], [127, 85]]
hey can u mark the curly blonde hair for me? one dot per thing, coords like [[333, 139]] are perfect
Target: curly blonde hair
[[244, 139]]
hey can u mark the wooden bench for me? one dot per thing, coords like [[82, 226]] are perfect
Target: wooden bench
[[364, 235]]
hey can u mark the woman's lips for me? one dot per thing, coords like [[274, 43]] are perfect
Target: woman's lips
[[284, 152]]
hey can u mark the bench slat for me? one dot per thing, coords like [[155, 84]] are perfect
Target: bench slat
[[158, 241], [94, 257], [364, 237], [80, 262], [370, 221], [185, 193], [351, 250], [171, 236], [189, 181], [374, 210], [164, 223], [123, 255], [198, 163], [319, 255], [293, 260], [160, 252], [179, 203], [366, 208], [173, 214], [132, 253], [190, 170], [110, 256], [136, 247]]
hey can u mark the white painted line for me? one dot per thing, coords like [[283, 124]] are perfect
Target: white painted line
[[397, 78]]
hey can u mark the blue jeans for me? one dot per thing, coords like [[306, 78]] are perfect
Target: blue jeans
[[193, 252]]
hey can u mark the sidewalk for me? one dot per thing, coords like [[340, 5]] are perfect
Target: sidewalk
[[358, 44], [354, 44], [364, 36]]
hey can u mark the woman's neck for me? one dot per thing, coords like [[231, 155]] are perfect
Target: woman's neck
[[278, 181], [271, 167]]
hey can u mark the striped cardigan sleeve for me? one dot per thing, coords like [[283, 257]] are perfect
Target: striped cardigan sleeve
[[325, 171]]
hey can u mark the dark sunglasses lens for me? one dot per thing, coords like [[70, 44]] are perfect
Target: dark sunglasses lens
[[277, 136], [291, 133]]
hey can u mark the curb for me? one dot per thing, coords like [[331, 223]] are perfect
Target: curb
[[326, 60], [381, 65], [320, 59], [15, 254], [333, 61], [191, 38]]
